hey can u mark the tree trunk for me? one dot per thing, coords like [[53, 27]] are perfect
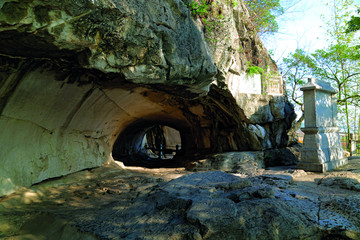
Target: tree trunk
[[347, 119]]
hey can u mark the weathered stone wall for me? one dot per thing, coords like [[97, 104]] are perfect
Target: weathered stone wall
[[236, 47], [76, 75], [147, 41], [270, 117]]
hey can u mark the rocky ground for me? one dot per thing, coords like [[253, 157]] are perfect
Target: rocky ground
[[113, 202]]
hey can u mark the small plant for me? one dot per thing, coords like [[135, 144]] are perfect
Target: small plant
[[271, 52], [234, 2], [200, 9], [252, 69], [211, 15]]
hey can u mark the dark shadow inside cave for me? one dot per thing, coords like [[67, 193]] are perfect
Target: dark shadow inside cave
[[151, 145]]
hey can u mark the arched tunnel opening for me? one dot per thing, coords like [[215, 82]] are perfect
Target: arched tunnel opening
[[152, 144]]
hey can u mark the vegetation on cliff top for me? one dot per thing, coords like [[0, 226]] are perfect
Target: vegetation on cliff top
[[263, 14]]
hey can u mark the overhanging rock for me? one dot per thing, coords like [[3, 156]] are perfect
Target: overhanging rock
[[76, 75]]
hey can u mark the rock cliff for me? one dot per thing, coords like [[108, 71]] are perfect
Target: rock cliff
[[77, 75]]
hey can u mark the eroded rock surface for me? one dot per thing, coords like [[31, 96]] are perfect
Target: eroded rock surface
[[249, 163], [146, 41], [116, 203], [342, 180], [75, 76]]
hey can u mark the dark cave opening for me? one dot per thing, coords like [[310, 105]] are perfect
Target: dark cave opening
[[151, 145]]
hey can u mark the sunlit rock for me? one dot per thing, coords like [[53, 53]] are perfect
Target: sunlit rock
[[77, 76]]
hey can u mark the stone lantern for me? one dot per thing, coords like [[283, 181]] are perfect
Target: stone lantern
[[322, 149]]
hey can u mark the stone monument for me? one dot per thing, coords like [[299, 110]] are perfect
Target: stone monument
[[322, 149]]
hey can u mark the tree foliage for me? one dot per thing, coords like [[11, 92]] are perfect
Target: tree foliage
[[354, 23], [337, 63], [263, 14], [296, 67]]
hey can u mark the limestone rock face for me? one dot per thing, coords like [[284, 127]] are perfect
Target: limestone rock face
[[146, 41], [270, 118], [75, 76], [236, 47]]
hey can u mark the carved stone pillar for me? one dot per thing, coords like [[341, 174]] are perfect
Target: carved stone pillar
[[322, 149]]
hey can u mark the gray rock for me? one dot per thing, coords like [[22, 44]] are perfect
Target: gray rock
[[282, 157], [340, 216], [146, 41], [280, 180], [266, 192], [283, 177], [215, 218], [203, 183], [77, 75], [344, 180], [280, 220], [277, 106], [259, 111], [297, 173], [249, 163], [253, 214], [258, 131]]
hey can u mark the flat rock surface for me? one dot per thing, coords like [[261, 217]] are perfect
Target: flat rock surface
[[113, 202]]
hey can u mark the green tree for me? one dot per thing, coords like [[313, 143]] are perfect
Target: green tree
[[337, 66], [295, 68], [354, 23], [263, 14], [352, 26], [338, 63]]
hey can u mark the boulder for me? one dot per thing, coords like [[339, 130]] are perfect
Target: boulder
[[248, 163], [277, 106], [259, 111], [344, 180], [282, 157]]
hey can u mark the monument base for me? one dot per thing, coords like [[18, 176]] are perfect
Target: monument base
[[322, 150], [322, 167]]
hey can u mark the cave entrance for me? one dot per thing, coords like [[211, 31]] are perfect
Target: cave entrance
[[161, 142], [154, 146]]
